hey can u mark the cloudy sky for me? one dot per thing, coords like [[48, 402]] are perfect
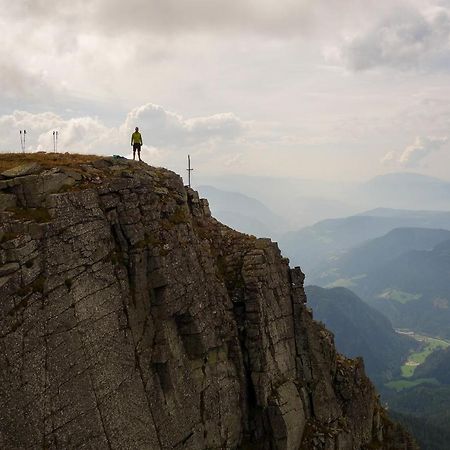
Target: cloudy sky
[[342, 89]]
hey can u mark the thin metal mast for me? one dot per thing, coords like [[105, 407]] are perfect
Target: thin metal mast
[[55, 142], [23, 135], [189, 170]]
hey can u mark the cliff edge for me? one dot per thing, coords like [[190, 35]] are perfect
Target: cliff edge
[[132, 319]]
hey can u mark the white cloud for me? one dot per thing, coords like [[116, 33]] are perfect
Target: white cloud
[[80, 134], [15, 81], [172, 16], [406, 39], [234, 160], [161, 129], [414, 154], [388, 158]]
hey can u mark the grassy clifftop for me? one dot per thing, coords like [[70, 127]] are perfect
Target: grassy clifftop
[[46, 160]]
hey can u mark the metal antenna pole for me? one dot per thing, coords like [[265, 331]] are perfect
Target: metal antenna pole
[[189, 170], [55, 142], [23, 136]]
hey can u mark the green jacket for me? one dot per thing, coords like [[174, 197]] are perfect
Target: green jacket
[[136, 138]]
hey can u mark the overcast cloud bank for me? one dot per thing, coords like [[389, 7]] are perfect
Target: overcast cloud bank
[[406, 39], [308, 88]]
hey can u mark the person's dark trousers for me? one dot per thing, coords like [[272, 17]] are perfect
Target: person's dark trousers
[[138, 148]]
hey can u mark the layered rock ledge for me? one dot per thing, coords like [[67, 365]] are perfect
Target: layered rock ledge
[[132, 319]]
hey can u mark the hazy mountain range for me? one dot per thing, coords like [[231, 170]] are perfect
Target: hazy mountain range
[[407, 191], [302, 202], [372, 254], [394, 259], [329, 239], [242, 212], [376, 252], [404, 274]]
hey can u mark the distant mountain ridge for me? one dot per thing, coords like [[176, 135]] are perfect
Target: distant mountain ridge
[[360, 330], [316, 200], [404, 274], [327, 239], [242, 212], [413, 290], [374, 253], [405, 177], [405, 213]]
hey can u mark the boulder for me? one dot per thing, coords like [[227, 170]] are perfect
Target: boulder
[[22, 170]]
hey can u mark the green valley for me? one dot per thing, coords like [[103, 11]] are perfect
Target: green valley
[[420, 398], [428, 345]]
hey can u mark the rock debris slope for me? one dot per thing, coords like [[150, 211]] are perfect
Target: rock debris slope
[[131, 319]]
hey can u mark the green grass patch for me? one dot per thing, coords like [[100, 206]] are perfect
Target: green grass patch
[[341, 282], [408, 369], [8, 236], [399, 296], [179, 216], [150, 240], [401, 384], [40, 215], [345, 282]]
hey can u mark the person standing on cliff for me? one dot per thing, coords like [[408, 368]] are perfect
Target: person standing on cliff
[[136, 142]]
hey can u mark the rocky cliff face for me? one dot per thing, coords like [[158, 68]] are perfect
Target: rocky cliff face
[[131, 319]]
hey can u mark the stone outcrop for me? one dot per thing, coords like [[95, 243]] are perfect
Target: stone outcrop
[[132, 319]]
